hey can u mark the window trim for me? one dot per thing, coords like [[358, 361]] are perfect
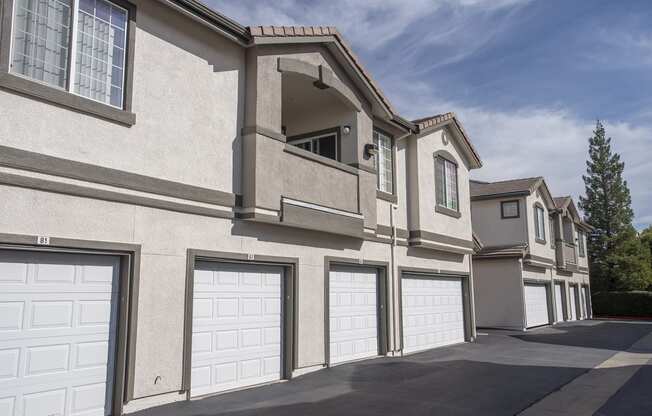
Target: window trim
[[502, 209], [387, 196], [63, 97], [581, 243], [311, 135], [442, 209], [538, 229]]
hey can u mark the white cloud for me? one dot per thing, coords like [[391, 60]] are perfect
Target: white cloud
[[367, 24], [539, 141], [548, 142]]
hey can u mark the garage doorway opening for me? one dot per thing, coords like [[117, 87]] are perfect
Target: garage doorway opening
[[355, 310], [67, 312], [434, 310], [239, 324]]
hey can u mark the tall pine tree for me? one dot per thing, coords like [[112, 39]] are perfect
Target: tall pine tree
[[617, 258]]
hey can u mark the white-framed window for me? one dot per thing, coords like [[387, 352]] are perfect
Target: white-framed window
[[539, 223], [580, 243], [321, 144], [446, 183], [384, 162], [75, 45]]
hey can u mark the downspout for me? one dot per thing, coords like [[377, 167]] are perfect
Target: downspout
[[392, 265]]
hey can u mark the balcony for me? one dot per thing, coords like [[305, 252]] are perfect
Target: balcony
[[304, 163]]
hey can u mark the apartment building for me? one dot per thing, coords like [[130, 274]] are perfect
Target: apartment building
[[531, 268], [189, 206]]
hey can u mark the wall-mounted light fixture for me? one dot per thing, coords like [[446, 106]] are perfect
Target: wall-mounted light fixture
[[370, 149], [346, 130]]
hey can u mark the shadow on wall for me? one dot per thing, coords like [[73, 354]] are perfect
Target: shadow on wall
[[608, 336], [435, 255], [221, 54], [296, 236]]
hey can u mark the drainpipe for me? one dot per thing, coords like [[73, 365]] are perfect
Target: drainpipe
[[392, 265]]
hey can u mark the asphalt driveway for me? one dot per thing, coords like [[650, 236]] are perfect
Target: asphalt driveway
[[503, 373]]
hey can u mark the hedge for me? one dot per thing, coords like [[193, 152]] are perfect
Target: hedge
[[635, 304]]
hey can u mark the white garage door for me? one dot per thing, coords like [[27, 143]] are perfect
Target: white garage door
[[236, 326], [433, 312], [536, 305], [353, 313], [559, 302], [573, 303], [58, 316]]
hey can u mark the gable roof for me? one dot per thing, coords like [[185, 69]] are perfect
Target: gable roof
[[322, 34], [562, 202], [255, 35], [424, 125], [499, 189]]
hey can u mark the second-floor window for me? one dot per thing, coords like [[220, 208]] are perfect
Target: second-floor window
[[580, 243], [446, 183], [384, 162], [78, 46], [509, 209], [539, 223], [322, 144]]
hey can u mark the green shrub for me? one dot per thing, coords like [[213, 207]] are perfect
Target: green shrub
[[635, 304]]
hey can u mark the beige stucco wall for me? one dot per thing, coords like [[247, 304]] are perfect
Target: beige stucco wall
[[188, 100], [494, 231], [498, 292], [538, 249], [165, 237], [428, 219], [582, 261], [191, 135]]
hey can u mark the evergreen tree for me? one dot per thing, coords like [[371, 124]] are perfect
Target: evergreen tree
[[630, 262], [646, 240], [614, 249]]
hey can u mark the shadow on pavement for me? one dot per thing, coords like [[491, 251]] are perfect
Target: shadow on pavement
[[602, 335], [392, 387], [634, 398]]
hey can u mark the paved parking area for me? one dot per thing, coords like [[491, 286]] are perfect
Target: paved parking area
[[503, 373]]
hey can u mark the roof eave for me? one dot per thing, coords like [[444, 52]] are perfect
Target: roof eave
[[210, 18], [500, 195], [335, 40]]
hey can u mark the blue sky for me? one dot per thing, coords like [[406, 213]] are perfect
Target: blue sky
[[528, 78]]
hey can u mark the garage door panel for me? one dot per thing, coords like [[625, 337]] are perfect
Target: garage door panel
[[433, 312], [237, 325], [353, 313], [559, 302], [573, 303], [58, 319], [536, 305]]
